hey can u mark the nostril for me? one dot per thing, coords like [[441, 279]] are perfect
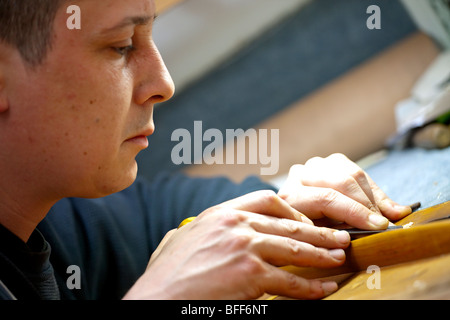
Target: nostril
[[158, 98]]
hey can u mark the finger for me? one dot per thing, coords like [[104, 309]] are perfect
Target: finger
[[349, 186], [343, 175], [380, 200], [280, 251], [326, 202], [283, 283], [268, 203], [388, 207], [319, 237], [359, 189]]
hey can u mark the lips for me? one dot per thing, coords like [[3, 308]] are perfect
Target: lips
[[141, 141], [140, 138]]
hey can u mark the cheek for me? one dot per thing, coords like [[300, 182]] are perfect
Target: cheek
[[76, 129], [95, 106], [96, 126]]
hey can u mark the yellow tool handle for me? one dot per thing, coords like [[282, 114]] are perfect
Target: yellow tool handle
[[186, 221]]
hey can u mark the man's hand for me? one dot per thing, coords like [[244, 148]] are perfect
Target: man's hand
[[337, 188], [232, 251]]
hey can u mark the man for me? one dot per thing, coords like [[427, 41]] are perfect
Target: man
[[75, 109]]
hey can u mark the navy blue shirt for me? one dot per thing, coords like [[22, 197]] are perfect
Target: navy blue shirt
[[110, 240]]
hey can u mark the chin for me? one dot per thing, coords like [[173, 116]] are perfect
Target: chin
[[106, 186]]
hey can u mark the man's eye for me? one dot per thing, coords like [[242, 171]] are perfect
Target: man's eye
[[124, 51]]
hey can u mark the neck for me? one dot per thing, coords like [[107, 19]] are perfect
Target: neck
[[20, 215]]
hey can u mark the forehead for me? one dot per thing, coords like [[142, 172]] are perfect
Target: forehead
[[104, 15]]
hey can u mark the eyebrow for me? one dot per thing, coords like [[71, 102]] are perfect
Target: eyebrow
[[130, 21]]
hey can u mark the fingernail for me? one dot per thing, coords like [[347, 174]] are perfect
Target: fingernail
[[329, 287], [342, 236], [403, 211], [397, 207], [337, 254], [378, 221]]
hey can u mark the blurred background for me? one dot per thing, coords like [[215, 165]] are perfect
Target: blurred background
[[310, 68]]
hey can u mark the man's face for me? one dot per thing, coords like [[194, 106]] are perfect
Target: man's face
[[77, 122]]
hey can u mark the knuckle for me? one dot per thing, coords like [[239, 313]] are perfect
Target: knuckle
[[292, 228], [251, 265], [234, 218], [353, 212], [314, 288], [327, 198], [314, 160], [293, 247], [323, 235], [349, 181], [240, 241], [227, 217], [292, 282], [349, 184], [321, 255], [359, 174], [269, 197]]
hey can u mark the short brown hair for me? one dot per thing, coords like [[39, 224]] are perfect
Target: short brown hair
[[27, 25]]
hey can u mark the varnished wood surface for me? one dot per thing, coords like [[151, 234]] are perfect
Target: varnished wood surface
[[422, 279]]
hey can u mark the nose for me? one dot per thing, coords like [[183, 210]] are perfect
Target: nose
[[155, 84]]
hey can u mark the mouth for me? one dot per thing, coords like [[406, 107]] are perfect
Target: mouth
[[141, 138]]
